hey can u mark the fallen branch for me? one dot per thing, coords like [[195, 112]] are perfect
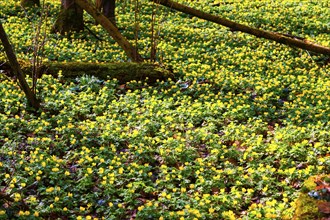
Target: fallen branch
[[124, 72], [280, 38], [31, 97]]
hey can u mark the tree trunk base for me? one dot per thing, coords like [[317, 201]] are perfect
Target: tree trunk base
[[30, 3], [70, 19], [123, 72]]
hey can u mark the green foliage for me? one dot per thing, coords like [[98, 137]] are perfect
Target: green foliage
[[235, 137]]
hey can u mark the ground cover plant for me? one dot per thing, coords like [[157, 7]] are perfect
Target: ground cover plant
[[234, 137]]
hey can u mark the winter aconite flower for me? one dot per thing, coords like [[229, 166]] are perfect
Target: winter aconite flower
[[243, 122]]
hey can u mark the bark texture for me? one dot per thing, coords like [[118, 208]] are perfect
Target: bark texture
[[124, 72], [70, 18], [280, 38], [107, 7], [30, 3], [111, 29], [17, 69]]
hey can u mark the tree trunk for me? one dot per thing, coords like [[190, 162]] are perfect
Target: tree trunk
[[70, 18], [30, 3], [107, 7], [111, 29], [17, 69], [280, 38]]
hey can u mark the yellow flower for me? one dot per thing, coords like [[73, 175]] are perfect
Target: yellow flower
[[89, 170], [50, 189], [55, 169], [140, 208], [17, 197], [32, 199]]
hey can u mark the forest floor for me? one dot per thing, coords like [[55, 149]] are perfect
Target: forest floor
[[234, 136]]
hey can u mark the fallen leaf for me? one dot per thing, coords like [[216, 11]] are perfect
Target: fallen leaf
[[324, 207], [215, 190]]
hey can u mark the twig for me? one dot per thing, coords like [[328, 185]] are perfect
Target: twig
[[311, 57], [136, 30], [152, 50]]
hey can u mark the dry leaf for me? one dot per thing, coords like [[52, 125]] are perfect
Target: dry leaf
[[324, 207]]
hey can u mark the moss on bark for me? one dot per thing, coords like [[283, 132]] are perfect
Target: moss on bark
[[306, 206], [124, 72], [70, 19]]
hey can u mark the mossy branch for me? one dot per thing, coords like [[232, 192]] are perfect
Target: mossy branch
[[124, 72]]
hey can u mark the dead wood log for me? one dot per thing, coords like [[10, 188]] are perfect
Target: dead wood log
[[280, 38], [111, 29], [123, 72]]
